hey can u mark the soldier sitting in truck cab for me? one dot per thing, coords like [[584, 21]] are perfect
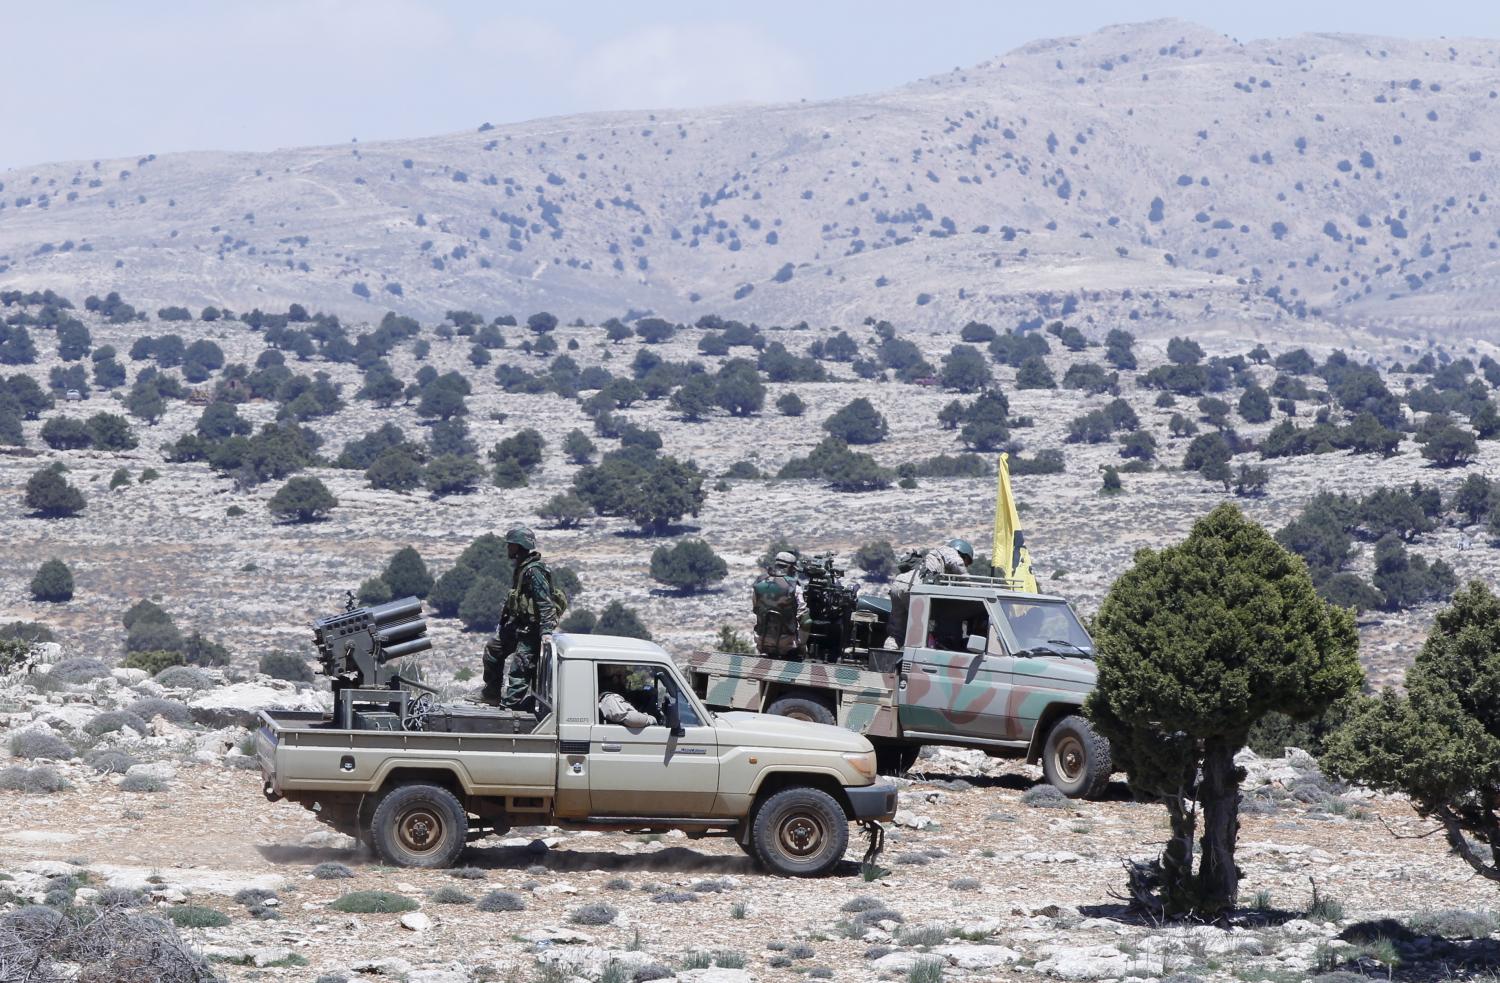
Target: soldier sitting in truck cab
[[624, 697]]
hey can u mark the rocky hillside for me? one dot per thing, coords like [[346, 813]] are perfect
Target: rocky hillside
[[1154, 173], [132, 797]]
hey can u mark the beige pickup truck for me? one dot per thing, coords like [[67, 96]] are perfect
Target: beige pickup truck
[[417, 780]]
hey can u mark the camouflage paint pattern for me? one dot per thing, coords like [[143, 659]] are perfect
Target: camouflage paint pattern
[[865, 698], [985, 700]]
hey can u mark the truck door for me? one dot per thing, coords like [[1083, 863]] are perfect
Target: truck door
[[642, 770], [950, 690]]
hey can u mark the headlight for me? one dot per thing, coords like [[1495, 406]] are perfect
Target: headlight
[[862, 762]]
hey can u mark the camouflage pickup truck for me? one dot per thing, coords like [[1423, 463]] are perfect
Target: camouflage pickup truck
[[982, 666], [418, 780]]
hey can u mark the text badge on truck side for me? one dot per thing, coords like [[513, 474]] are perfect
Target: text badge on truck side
[[982, 666], [417, 780]]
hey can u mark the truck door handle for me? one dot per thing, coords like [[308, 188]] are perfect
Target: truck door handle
[[929, 668], [609, 747]]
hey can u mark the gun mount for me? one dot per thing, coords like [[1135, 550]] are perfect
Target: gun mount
[[355, 649], [840, 619]]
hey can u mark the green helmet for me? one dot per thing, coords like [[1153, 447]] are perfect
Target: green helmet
[[963, 548], [522, 537]]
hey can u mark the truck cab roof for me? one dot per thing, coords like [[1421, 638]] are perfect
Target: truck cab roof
[[579, 646], [950, 585]]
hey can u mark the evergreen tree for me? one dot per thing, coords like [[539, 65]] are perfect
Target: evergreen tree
[[578, 447], [482, 604], [302, 500], [450, 474], [1255, 405], [49, 496], [406, 574], [565, 510], [617, 619], [64, 433], [1439, 742], [111, 432], [877, 560], [858, 422], [53, 583], [1475, 498], [1033, 373], [1196, 643], [966, 370], [790, 404], [689, 566]]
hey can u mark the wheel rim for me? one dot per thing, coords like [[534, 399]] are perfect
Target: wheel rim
[[1069, 758], [420, 830], [801, 835], [800, 715]]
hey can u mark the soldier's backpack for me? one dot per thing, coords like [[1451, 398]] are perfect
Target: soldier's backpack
[[517, 603], [775, 606]]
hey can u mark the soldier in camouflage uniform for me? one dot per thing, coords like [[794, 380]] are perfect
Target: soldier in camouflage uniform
[[781, 616], [614, 706], [953, 557], [529, 617]]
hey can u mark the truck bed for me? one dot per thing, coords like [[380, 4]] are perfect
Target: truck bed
[[300, 750], [866, 695]]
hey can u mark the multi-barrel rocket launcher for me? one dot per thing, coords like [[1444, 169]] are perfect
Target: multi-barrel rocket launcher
[[357, 649]]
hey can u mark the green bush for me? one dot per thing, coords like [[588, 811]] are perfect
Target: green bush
[[53, 583], [41, 780], [40, 745], [877, 560], [482, 604], [790, 404], [195, 916], [153, 661], [78, 670], [151, 707], [406, 574], [617, 619], [690, 566], [501, 901], [374, 903], [330, 871], [111, 721], [450, 474], [286, 665], [565, 510], [142, 783], [596, 913]]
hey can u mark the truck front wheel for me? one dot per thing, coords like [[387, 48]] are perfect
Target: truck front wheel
[[800, 832], [1075, 759], [419, 826], [802, 708]]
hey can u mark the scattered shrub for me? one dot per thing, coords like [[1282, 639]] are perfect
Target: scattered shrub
[[152, 661], [41, 780], [447, 894], [142, 783], [597, 913], [1044, 797], [114, 720], [78, 670], [109, 761], [373, 903], [183, 677], [53, 583], [196, 916], [40, 745], [330, 871], [501, 901], [151, 707]]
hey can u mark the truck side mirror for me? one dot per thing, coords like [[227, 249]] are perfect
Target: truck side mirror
[[978, 644], [670, 706]]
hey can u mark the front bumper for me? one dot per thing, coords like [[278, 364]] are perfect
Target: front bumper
[[872, 801]]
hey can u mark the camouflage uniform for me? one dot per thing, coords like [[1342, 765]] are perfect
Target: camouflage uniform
[[529, 615], [781, 615], [615, 709], [943, 559]]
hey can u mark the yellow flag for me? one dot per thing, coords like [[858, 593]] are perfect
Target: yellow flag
[[1009, 555]]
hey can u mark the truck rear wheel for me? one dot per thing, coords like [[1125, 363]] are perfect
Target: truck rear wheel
[[894, 759], [419, 826], [800, 832], [802, 708], [1075, 759]]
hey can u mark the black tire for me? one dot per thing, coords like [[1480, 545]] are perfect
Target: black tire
[[1075, 759], [799, 832], [894, 760], [419, 826], [802, 708]]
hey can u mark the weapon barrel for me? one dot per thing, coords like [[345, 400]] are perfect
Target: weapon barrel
[[412, 647], [404, 632], [402, 609]]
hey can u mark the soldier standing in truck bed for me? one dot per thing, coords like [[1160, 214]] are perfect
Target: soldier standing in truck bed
[[530, 616], [953, 557], [781, 615]]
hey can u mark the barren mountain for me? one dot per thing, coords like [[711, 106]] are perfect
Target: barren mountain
[[1157, 173]]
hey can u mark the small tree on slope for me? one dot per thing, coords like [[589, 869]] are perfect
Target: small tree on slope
[[1199, 641], [1439, 744]]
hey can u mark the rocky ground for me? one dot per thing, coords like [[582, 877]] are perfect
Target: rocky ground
[[988, 874]]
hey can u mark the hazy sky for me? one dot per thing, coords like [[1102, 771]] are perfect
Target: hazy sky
[[86, 79]]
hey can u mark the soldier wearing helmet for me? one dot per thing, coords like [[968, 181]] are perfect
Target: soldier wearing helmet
[[953, 557], [530, 615], [781, 615]]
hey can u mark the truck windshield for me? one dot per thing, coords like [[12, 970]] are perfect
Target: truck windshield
[[1046, 628]]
